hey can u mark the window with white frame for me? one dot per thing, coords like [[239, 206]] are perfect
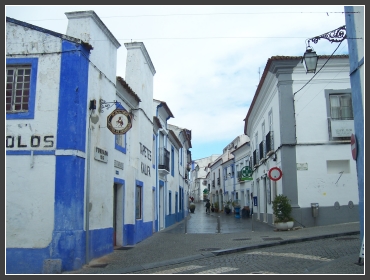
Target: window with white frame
[[270, 120], [341, 106]]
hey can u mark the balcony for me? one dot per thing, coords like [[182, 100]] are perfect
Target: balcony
[[262, 150], [164, 162], [218, 181], [269, 143], [213, 183]]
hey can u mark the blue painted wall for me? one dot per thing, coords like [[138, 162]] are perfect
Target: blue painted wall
[[68, 240], [357, 62]]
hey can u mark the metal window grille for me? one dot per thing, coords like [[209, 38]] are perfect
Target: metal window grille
[[18, 88]]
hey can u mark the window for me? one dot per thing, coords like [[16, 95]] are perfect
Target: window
[[120, 143], [172, 161], [341, 106], [138, 199], [17, 88], [170, 202], [21, 77]]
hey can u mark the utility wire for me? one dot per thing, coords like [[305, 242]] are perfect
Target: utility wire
[[319, 70], [210, 14]]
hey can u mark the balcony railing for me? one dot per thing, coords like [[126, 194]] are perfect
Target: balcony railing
[[164, 159], [269, 142], [262, 150]]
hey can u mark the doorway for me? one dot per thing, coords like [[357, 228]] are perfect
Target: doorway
[[118, 213]]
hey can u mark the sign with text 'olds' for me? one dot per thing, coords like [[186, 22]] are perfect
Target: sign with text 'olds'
[[119, 121]]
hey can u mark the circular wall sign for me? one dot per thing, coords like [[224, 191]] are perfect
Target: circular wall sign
[[354, 146], [119, 121], [275, 174]]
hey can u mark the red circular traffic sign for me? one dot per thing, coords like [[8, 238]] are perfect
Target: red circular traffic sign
[[353, 146], [275, 174]]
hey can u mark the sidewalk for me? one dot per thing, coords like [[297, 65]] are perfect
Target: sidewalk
[[204, 235]]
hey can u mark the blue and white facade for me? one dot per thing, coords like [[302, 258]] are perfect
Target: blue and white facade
[[355, 16], [75, 190], [305, 132]]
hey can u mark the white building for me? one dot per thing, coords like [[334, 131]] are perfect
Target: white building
[[304, 131], [199, 171], [242, 161], [76, 185], [223, 176], [180, 139]]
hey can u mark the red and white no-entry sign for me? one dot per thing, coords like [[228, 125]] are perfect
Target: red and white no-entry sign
[[275, 173], [354, 146]]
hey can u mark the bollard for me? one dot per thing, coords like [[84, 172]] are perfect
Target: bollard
[[252, 223], [218, 224], [186, 224]]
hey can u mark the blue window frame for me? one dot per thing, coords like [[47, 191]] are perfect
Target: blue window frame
[[170, 202], [22, 88], [139, 200], [120, 140]]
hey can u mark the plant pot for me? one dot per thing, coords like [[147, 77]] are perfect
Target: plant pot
[[227, 210], [237, 212], [284, 225], [192, 210]]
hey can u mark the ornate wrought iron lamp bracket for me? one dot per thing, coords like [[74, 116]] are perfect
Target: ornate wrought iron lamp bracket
[[337, 36], [106, 105]]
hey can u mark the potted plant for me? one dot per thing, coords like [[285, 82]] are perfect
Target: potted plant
[[282, 212], [192, 207], [236, 205], [216, 206], [227, 207]]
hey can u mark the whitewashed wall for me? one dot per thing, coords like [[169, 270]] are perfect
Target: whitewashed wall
[[30, 202]]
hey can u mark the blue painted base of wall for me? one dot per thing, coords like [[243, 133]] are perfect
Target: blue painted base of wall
[[138, 232], [70, 247], [101, 242], [67, 246], [25, 261]]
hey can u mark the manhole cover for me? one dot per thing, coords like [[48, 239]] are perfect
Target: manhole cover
[[209, 249], [99, 265], [123, 248], [241, 239], [272, 238], [345, 238]]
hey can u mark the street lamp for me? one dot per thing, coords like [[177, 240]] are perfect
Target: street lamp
[[310, 58]]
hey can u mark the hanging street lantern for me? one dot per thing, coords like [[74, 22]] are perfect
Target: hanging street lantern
[[310, 60]]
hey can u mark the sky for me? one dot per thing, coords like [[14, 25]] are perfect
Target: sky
[[208, 58]]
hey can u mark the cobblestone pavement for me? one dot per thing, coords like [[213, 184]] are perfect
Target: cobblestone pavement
[[336, 255], [221, 238]]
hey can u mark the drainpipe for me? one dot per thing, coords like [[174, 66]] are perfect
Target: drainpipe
[[87, 194]]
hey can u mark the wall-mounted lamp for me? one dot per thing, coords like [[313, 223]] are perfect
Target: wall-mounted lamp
[[92, 104], [310, 58], [274, 157]]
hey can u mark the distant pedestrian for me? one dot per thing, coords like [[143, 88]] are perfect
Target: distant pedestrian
[[208, 206]]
